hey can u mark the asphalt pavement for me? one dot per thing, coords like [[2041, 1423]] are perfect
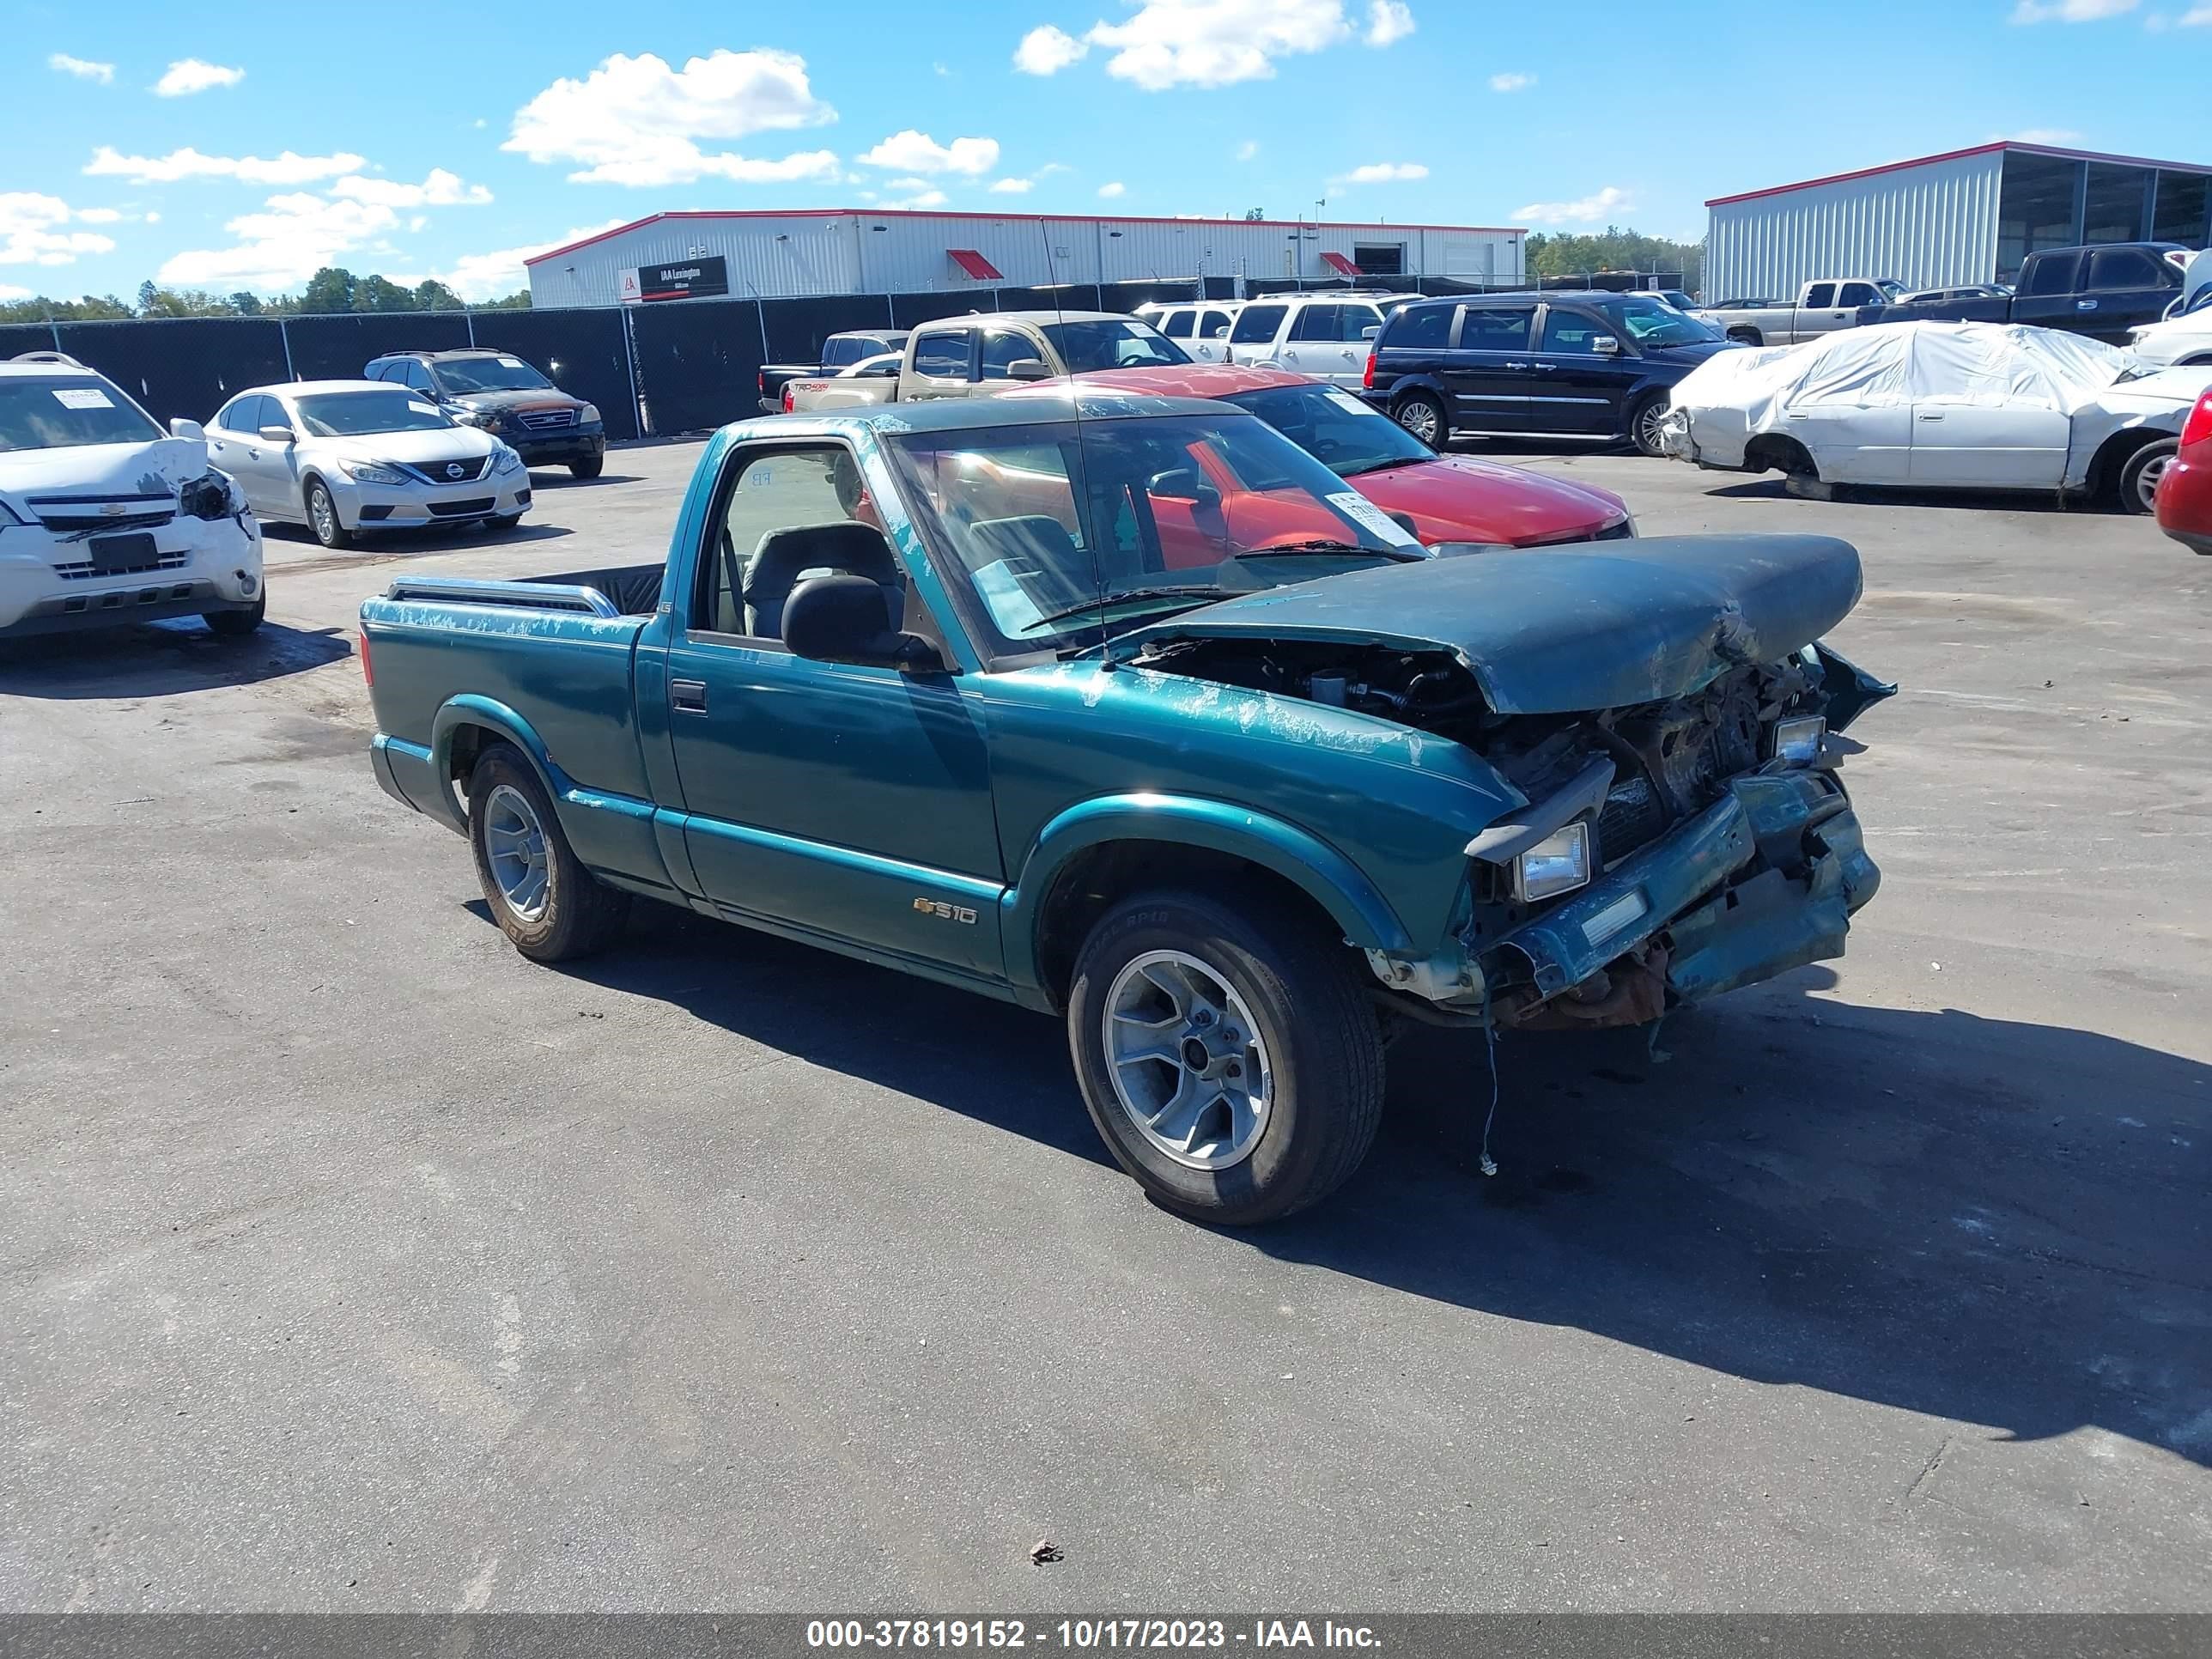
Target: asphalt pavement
[[349, 1261]]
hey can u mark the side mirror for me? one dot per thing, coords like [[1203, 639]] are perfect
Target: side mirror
[[1370, 331], [183, 428], [278, 435], [1029, 368], [842, 618], [1183, 483], [1605, 346]]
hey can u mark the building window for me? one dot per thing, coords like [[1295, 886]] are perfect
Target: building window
[[1379, 259], [2035, 209], [2182, 209], [2112, 209]]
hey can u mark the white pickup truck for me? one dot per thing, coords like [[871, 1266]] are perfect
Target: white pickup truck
[[975, 355], [106, 519], [1822, 308]]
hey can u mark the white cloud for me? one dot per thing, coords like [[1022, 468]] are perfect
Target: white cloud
[[1382, 172], [83, 68], [2039, 136], [917, 152], [32, 231], [2069, 11], [439, 189], [1215, 43], [636, 121], [1048, 51], [1588, 210], [189, 75], [1013, 186], [1511, 81], [100, 215], [2196, 17], [501, 271], [281, 245], [1108, 191], [1248, 149], [9, 291], [1389, 21], [286, 168]]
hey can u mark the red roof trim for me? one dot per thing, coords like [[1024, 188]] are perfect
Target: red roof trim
[[975, 265], [1338, 263], [1007, 218], [1957, 154]]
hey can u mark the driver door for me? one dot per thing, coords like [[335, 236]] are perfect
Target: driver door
[[844, 803]]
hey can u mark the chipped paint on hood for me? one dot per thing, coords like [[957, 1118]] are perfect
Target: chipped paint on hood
[[1563, 630]]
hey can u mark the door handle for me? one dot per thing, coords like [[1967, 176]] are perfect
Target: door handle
[[1546, 366], [1516, 365], [687, 697], [1931, 417]]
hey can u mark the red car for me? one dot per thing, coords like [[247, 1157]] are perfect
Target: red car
[[2183, 503], [1443, 498]]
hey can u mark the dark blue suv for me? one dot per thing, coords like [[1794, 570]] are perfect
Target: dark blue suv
[[1572, 365]]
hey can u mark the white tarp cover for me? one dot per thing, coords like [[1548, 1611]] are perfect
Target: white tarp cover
[[1894, 363]]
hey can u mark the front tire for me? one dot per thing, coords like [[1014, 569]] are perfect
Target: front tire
[[237, 624], [503, 521], [322, 517], [543, 897], [590, 468], [1227, 1056], [2139, 476], [1423, 414], [1646, 422]]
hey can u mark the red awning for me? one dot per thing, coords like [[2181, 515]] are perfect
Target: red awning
[[1335, 262], [975, 265]]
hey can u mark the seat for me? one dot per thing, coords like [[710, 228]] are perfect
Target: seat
[[784, 555]]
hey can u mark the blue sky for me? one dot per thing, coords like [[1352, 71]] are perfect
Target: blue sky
[[242, 146]]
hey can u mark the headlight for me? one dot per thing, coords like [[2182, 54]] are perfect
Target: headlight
[[505, 460], [588, 416], [9, 515], [1558, 864], [486, 418], [1798, 741], [373, 472]]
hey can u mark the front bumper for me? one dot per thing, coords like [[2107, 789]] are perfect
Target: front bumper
[[412, 506], [555, 447], [200, 565], [1763, 880]]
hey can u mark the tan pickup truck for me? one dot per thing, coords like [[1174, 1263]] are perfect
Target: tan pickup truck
[[975, 356]]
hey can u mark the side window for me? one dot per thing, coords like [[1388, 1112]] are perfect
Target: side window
[[1256, 324], [2052, 273], [779, 490], [1858, 293], [2121, 267], [1213, 325], [943, 355], [1422, 328], [239, 416], [417, 374], [1317, 323], [1571, 331], [1819, 296], [1002, 346], [1177, 324], [1356, 320], [1495, 328], [840, 353]]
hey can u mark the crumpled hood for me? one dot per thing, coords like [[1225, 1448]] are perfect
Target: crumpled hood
[[1570, 629], [2168, 389], [458, 443], [159, 466]]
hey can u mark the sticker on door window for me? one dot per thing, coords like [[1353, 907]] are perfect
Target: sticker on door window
[[83, 397], [1367, 516]]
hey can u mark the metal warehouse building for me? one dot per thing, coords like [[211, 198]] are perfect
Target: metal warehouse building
[[1970, 216], [843, 251]]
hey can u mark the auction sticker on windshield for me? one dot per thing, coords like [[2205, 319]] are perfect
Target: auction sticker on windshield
[[1344, 400], [83, 397], [1367, 516], [420, 409]]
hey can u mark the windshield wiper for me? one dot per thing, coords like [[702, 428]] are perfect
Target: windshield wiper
[[1319, 545], [1384, 465], [1138, 595]]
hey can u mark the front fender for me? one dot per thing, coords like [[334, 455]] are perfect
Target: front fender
[[1330, 878]]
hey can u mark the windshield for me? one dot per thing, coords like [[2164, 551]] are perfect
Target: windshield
[[1335, 428], [1056, 524], [467, 375], [65, 411], [349, 414], [1112, 343], [1655, 323]]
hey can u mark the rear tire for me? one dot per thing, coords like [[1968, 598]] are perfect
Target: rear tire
[[2139, 476], [543, 897], [588, 469], [1423, 414], [236, 624], [1308, 1072], [323, 520]]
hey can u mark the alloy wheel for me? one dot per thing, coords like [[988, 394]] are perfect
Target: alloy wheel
[[514, 842], [1187, 1063]]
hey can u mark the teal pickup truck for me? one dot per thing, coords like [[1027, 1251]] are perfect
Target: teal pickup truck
[[1126, 709]]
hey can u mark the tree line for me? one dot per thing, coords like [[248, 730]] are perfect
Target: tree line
[[331, 289], [1615, 249]]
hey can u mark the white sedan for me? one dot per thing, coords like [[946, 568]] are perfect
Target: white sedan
[[2185, 340], [1971, 406]]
